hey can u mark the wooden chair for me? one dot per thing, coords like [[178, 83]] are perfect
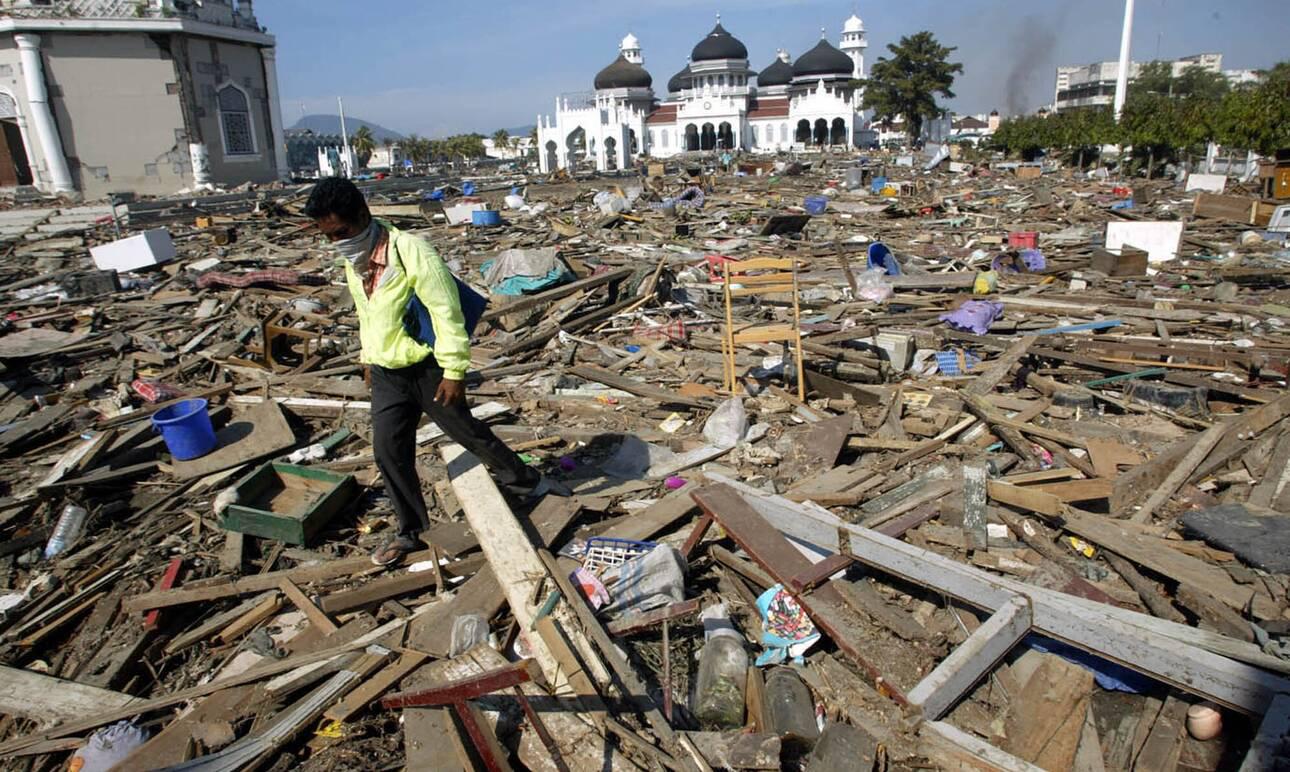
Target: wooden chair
[[761, 276]]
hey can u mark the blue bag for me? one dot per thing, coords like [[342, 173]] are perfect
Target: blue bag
[[417, 322], [420, 327]]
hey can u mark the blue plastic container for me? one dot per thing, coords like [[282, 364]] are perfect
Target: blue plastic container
[[485, 218], [877, 184], [186, 429], [815, 205], [467, 188], [881, 257]]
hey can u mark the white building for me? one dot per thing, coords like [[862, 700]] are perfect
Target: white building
[[1093, 85], [518, 147], [715, 102]]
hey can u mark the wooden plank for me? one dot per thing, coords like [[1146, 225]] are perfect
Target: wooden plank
[[230, 558], [968, 752], [1026, 498], [371, 689], [655, 518], [632, 386], [1045, 722], [316, 616], [28, 694], [1181, 568], [195, 592], [999, 368], [511, 555], [1179, 473], [1077, 490], [972, 659], [377, 590], [235, 629], [262, 432], [783, 561], [1164, 744], [975, 480], [1269, 489], [1211, 666], [214, 624]]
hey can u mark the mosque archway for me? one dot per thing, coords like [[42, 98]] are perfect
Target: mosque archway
[[803, 132], [838, 132], [725, 136], [551, 159], [821, 135], [632, 147], [611, 153], [708, 137], [576, 145], [691, 137]]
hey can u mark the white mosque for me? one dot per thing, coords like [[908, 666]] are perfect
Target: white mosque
[[716, 102]]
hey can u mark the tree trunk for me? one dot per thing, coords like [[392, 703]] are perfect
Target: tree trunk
[[1151, 160], [1081, 159]]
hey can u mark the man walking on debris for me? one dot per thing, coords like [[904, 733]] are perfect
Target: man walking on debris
[[387, 270]]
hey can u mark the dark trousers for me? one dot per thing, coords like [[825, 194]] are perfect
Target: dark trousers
[[399, 398]]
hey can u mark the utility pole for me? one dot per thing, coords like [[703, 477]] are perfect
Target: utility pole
[[1122, 78], [344, 135]]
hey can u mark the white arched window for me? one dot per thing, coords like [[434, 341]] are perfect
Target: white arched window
[[236, 126], [665, 132], [783, 132]]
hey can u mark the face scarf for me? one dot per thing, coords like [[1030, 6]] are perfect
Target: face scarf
[[359, 248]]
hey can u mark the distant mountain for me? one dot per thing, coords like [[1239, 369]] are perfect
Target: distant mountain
[[520, 131], [330, 124]]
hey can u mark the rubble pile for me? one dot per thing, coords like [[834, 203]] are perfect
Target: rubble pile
[[1031, 511]]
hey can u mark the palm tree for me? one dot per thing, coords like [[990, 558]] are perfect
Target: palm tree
[[501, 140], [363, 143]]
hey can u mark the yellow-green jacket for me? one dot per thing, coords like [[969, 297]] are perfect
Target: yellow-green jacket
[[412, 264]]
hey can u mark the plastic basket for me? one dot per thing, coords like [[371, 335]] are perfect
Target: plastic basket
[[604, 552]]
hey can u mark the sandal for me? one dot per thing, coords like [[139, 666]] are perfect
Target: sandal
[[393, 550]]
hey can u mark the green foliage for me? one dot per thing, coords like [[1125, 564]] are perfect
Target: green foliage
[[363, 143], [908, 83], [1165, 118], [501, 139]]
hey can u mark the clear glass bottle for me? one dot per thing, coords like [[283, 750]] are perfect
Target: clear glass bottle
[[790, 708], [723, 675], [71, 523]]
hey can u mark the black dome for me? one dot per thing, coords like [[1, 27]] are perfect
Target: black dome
[[679, 81], [623, 74], [719, 44], [824, 59], [779, 73]]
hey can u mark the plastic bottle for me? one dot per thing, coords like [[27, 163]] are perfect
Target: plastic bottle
[[723, 674], [468, 631], [68, 530], [789, 706]]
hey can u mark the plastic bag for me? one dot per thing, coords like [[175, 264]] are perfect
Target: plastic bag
[[728, 424], [651, 581], [108, 747], [873, 286], [609, 203]]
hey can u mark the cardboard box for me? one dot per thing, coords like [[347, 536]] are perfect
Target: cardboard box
[[1128, 261], [149, 248]]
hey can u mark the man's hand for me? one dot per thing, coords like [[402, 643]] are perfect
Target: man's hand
[[450, 393]]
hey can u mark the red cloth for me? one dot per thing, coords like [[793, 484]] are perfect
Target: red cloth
[[279, 276]]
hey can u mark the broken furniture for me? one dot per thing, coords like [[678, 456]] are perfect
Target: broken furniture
[[287, 502], [761, 277]]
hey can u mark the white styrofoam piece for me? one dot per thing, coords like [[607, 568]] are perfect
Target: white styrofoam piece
[[1158, 239], [147, 249], [460, 214], [1208, 183]]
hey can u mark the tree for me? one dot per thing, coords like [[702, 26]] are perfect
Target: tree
[[907, 84], [363, 143], [1200, 83], [501, 139]]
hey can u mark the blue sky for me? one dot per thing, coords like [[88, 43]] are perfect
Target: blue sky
[[438, 67]]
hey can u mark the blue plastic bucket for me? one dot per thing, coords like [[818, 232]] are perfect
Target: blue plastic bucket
[[485, 218], [815, 205], [881, 257], [186, 429]]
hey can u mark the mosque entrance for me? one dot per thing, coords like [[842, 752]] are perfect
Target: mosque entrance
[[725, 136], [708, 139], [691, 138], [838, 132], [803, 132]]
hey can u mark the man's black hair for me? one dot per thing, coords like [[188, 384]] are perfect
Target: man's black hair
[[338, 196]]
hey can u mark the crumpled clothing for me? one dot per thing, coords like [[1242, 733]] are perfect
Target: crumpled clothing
[[591, 587], [787, 630], [1031, 259], [155, 391], [108, 747], [282, 277], [974, 316], [520, 271]]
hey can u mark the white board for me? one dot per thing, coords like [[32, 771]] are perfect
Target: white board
[[1160, 240], [1209, 183]]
